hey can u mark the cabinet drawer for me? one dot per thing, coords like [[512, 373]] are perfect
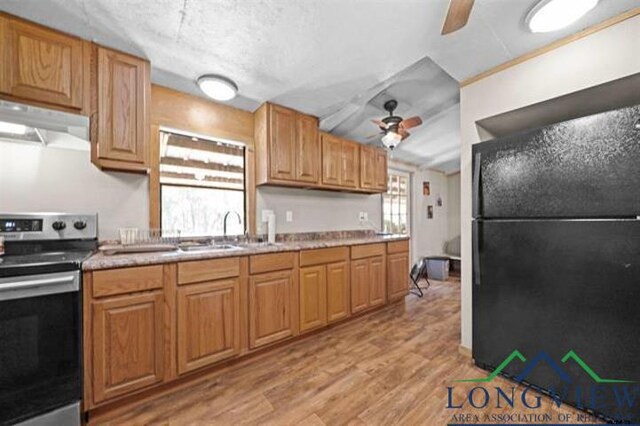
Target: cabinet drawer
[[322, 256], [367, 250], [398, 247], [271, 262], [126, 280], [208, 270]]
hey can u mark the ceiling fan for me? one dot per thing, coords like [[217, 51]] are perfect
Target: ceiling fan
[[394, 128], [457, 15]]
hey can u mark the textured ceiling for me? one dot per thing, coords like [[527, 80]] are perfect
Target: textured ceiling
[[314, 56]]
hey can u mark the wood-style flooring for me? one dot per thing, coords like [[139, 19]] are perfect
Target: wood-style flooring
[[391, 367]]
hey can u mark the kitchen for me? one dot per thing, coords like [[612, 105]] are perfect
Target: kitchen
[[307, 253]]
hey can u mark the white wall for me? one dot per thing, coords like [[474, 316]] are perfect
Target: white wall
[[596, 59], [453, 209], [316, 210], [429, 235], [33, 178]]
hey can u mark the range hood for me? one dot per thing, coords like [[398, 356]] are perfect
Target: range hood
[[26, 123]]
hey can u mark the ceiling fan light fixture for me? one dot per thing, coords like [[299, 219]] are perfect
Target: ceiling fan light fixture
[[217, 87], [552, 15], [391, 140]]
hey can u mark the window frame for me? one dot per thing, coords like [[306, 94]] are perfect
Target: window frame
[[403, 174], [245, 148]]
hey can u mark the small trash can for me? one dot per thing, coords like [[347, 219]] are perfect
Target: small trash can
[[438, 267]]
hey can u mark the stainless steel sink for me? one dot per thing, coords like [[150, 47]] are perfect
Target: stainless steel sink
[[210, 247]]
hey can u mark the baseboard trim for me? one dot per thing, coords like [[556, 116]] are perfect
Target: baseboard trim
[[465, 352]]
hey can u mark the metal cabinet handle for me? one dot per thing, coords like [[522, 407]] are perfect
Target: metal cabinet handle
[[36, 283]]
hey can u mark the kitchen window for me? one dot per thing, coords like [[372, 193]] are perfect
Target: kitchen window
[[395, 204], [201, 180]]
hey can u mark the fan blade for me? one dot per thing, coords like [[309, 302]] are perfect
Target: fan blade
[[411, 122], [457, 16], [403, 133], [380, 124], [377, 135]]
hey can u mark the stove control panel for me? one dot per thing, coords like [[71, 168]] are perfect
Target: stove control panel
[[48, 226]]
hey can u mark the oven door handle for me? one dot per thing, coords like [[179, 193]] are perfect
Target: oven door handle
[[23, 287]]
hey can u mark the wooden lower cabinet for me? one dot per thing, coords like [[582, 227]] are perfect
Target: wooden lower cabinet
[[337, 291], [377, 281], [128, 344], [208, 323], [271, 308], [359, 285], [313, 297], [368, 283], [398, 275]]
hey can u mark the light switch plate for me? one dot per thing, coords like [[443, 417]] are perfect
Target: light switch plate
[[289, 216], [361, 216]]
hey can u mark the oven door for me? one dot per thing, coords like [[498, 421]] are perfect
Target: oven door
[[40, 345]]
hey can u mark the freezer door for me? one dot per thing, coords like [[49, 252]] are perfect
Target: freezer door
[[588, 167], [554, 286]]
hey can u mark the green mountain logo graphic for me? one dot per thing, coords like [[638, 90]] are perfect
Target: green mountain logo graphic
[[571, 355]]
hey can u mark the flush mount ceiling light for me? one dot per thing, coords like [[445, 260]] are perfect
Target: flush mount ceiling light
[[551, 15], [218, 87]]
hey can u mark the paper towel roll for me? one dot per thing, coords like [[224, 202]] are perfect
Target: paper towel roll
[[271, 228]]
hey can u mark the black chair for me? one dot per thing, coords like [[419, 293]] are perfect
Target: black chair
[[418, 272]]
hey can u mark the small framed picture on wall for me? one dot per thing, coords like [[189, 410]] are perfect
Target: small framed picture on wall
[[426, 189], [429, 212]]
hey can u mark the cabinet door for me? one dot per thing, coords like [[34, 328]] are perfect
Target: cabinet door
[[271, 307], [359, 285], [381, 170], [397, 275], [331, 160], [367, 167], [41, 65], [128, 344], [337, 291], [313, 297], [123, 91], [282, 143], [307, 149], [350, 164], [377, 281], [208, 323]]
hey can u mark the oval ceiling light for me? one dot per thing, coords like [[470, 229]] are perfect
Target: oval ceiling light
[[217, 87], [551, 15]]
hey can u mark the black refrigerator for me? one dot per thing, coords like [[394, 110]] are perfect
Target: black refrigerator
[[556, 260]]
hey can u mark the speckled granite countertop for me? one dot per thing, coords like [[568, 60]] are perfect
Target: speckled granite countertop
[[102, 261]]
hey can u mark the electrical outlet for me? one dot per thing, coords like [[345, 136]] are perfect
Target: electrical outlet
[[289, 216], [361, 216]]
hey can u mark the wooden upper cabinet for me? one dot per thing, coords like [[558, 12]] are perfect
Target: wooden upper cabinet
[[271, 308], [331, 160], [122, 112], [313, 297], [381, 171], [287, 147], [367, 167], [282, 143], [350, 164], [307, 149], [208, 323], [42, 66], [128, 344]]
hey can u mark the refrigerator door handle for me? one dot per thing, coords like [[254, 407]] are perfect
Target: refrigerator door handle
[[476, 252], [476, 185]]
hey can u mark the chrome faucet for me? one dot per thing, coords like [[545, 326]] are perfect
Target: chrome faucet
[[226, 215]]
